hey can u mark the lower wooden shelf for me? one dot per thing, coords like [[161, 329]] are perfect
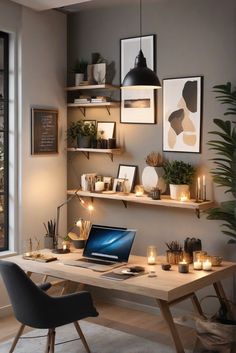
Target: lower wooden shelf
[[87, 151], [165, 201]]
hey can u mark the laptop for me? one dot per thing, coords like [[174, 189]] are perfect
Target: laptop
[[105, 248]]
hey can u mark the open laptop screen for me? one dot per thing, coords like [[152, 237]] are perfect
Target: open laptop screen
[[112, 244]]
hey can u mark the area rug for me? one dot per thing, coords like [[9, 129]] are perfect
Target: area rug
[[100, 340]]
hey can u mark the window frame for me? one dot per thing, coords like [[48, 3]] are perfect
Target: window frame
[[5, 131]]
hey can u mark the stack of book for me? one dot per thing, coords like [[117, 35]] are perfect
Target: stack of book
[[98, 99], [82, 100]]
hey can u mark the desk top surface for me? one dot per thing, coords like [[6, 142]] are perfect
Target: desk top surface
[[167, 285]]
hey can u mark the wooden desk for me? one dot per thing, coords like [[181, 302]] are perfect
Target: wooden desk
[[168, 288]]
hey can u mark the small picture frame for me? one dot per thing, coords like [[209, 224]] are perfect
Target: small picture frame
[[116, 182], [44, 131], [182, 114], [108, 129], [128, 174]]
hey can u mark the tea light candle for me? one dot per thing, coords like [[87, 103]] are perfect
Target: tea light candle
[[64, 247], [207, 265], [139, 190], [197, 265], [99, 186], [151, 255], [183, 267]]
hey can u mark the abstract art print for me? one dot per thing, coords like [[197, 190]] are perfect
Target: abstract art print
[[137, 106], [182, 113]]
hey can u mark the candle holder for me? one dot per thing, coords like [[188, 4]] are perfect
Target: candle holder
[[197, 265], [139, 190], [207, 265], [151, 254], [183, 267]]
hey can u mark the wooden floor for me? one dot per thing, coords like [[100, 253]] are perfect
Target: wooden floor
[[128, 320]]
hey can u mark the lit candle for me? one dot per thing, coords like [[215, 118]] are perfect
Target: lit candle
[[151, 255], [197, 265], [64, 247], [183, 267], [204, 180], [184, 197], [139, 190], [207, 265]]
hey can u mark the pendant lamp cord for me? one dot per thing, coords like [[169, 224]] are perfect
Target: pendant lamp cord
[[140, 22]]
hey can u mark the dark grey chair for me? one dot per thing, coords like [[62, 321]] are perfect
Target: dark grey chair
[[35, 308]]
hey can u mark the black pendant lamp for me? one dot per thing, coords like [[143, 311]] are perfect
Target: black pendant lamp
[[141, 76]]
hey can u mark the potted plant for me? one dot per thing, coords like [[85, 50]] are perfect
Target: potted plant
[[224, 145], [174, 254], [82, 132], [49, 238], [80, 69], [179, 175]]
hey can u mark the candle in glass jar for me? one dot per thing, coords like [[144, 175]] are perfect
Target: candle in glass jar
[[197, 265], [64, 247], [207, 265], [183, 267], [99, 186], [151, 255]]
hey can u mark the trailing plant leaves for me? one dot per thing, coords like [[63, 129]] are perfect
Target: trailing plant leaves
[[224, 173]]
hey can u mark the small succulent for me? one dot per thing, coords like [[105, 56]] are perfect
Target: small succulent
[[192, 244], [174, 246], [154, 159]]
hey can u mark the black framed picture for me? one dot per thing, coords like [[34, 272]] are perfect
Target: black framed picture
[[44, 131], [182, 114], [137, 106], [128, 173]]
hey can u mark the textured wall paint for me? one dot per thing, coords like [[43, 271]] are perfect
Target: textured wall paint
[[194, 37]]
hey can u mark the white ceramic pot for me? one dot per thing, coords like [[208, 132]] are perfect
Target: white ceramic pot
[[78, 79], [177, 190]]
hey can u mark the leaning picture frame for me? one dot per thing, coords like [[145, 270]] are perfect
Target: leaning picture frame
[[106, 129], [137, 106], [127, 173], [182, 114]]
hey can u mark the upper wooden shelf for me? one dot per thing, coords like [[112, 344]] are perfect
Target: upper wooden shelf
[[87, 87], [165, 201]]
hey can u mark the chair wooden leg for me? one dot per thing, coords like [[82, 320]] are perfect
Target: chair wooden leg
[[52, 345], [78, 329], [48, 344], [19, 333]]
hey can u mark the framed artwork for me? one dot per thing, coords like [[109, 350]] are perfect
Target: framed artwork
[[182, 114], [137, 106], [44, 131], [108, 129], [128, 173]]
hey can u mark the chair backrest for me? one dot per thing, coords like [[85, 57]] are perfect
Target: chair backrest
[[29, 302]]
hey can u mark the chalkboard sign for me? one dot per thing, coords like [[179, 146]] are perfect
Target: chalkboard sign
[[44, 131]]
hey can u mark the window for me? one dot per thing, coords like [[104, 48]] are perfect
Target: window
[[4, 131]]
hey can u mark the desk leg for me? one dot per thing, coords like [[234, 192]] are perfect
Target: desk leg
[[221, 295], [71, 287], [196, 304], [165, 310]]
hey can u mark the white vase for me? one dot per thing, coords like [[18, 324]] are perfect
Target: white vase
[[152, 178], [78, 79], [177, 190]]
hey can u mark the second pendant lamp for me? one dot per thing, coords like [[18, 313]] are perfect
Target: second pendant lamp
[[141, 76]]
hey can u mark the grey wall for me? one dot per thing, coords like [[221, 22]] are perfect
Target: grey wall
[[37, 78], [194, 37]]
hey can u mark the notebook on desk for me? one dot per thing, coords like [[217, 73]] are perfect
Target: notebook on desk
[[105, 249]]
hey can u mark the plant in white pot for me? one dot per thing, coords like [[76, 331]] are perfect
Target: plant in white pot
[[80, 69], [179, 176]]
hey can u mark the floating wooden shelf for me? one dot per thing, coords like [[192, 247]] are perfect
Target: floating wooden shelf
[[165, 200], [90, 87], [83, 106], [87, 151]]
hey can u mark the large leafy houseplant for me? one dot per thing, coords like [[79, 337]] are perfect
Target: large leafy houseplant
[[224, 174]]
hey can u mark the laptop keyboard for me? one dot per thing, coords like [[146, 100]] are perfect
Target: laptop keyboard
[[99, 262]]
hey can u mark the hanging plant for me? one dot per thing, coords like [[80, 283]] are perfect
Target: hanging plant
[[224, 174]]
